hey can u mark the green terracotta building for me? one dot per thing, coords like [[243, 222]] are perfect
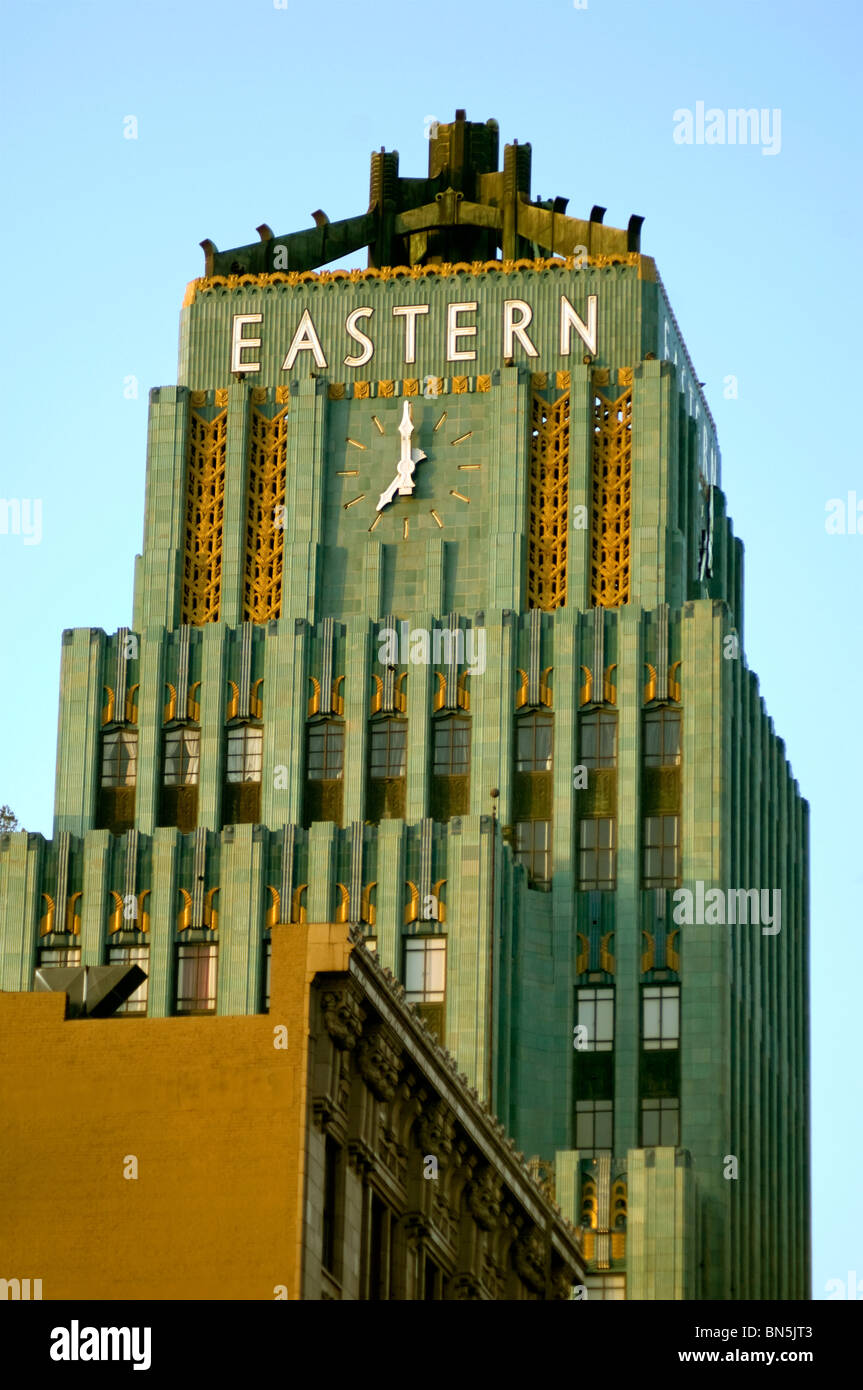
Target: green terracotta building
[[438, 630]]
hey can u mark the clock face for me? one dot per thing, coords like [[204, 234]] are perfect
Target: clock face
[[408, 467]]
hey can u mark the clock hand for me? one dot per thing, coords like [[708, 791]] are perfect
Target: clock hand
[[403, 481], [389, 494]]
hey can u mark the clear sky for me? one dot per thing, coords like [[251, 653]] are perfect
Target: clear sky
[[250, 112]]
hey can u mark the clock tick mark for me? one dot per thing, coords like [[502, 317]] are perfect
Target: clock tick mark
[[468, 467], [377, 424], [355, 442], [405, 529], [348, 473], [440, 422], [463, 437], [460, 495], [353, 501], [437, 518], [376, 520]]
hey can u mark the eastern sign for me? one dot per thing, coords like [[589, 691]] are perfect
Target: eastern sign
[[458, 331]]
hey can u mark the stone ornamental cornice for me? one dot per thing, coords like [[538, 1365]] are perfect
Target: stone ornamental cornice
[[485, 1131], [295, 279]]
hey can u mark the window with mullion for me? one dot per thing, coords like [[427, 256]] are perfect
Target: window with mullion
[[425, 969], [388, 750], [661, 851], [132, 955], [120, 758], [326, 751], [594, 1123], [662, 737], [660, 1123], [182, 757], [660, 1015], [245, 753], [533, 850], [196, 979], [451, 747], [598, 747], [534, 743], [596, 853], [596, 1015]]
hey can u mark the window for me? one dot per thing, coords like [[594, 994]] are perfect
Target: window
[[451, 747], [332, 1165], [596, 1014], [182, 757], [380, 1246], [388, 748], [533, 743], [660, 1016], [425, 969], [325, 752], [660, 1123], [605, 1287], [196, 979], [662, 738], [120, 758], [268, 960], [431, 1281], [598, 739], [132, 955], [65, 956], [596, 866], [533, 850], [661, 851], [245, 751], [593, 1127]]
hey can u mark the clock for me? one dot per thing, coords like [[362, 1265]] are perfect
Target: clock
[[416, 471]]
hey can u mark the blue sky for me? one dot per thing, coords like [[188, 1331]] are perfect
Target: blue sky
[[249, 113]]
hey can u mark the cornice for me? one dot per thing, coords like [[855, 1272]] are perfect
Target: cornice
[[206, 284]]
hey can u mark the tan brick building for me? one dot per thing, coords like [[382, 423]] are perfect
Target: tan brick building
[[325, 1150]]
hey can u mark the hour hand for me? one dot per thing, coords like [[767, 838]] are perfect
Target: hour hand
[[389, 494]]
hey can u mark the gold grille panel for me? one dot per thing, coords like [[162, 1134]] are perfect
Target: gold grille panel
[[611, 501], [205, 514], [549, 503], [265, 517]]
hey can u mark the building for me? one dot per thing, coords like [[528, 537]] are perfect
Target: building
[[438, 631], [327, 1150]]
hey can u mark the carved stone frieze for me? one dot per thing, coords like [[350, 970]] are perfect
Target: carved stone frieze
[[343, 1017], [436, 1130], [529, 1261], [484, 1198], [379, 1061]]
